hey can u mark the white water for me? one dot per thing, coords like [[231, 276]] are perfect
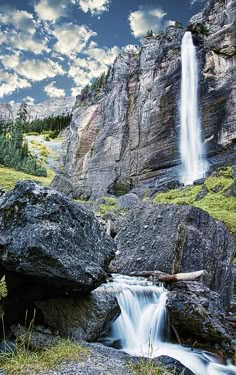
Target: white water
[[194, 165], [142, 329]]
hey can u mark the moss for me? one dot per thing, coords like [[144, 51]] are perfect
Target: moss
[[215, 203], [9, 177], [26, 362], [184, 196], [146, 367]]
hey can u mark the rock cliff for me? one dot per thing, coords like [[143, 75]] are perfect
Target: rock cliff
[[128, 135]]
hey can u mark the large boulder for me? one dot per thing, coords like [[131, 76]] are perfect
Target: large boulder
[[176, 238], [86, 318], [52, 240], [197, 313]]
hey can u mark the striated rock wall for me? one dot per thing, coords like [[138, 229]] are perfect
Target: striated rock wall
[[130, 135]]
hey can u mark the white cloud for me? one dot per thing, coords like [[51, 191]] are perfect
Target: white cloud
[[147, 18], [71, 38], [94, 6], [192, 2], [53, 91], [11, 82], [29, 100], [37, 70], [75, 91], [51, 10], [10, 61], [20, 19], [103, 55]]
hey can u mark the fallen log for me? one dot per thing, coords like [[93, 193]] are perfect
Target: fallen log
[[167, 278]]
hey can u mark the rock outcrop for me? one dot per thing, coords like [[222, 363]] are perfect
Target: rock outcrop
[[173, 238], [128, 136], [51, 240], [86, 319], [197, 313]]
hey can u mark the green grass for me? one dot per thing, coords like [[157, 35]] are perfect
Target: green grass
[[25, 362], [9, 177], [111, 205], [215, 203], [146, 367]]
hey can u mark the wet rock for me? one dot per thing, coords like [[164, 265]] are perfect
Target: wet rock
[[51, 240], [231, 191], [200, 181], [173, 238], [128, 201], [86, 318], [172, 364], [202, 193], [197, 313]]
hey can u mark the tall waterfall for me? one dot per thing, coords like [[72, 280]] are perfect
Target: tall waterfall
[[142, 329], [193, 163]]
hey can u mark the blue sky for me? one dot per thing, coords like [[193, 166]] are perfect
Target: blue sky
[[53, 48]]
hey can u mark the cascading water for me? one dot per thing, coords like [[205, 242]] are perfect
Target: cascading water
[[194, 165], [142, 328]]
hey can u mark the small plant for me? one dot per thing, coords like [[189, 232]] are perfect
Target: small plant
[[46, 138]]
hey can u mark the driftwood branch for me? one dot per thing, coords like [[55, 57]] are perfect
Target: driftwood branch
[[165, 277]]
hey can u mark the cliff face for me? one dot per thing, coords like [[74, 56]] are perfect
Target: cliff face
[[49, 108], [130, 135]]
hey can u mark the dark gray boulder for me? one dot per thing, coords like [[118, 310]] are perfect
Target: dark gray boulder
[[62, 184], [47, 237], [176, 238], [197, 313], [86, 318], [128, 200]]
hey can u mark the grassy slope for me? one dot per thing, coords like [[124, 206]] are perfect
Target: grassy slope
[[9, 177], [215, 203]]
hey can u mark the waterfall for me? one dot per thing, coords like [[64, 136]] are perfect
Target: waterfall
[[193, 163], [142, 329]]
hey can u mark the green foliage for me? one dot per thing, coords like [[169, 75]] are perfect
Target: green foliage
[[22, 113], [50, 124], [3, 288], [14, 152], [215, 203], [24, 362], [148, 367], [96, 86], [9, 177]]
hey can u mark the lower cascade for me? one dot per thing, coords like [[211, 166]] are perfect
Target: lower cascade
[[142, 329]]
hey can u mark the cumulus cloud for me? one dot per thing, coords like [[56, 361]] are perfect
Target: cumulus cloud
[[53, 91], [29, 100], [37, 70], [51, 10], [20, 19], [84, 70], [71, 38], [95, 7], [146, 18], [103, 55], [18, 31], [10, 61], [11, 82]]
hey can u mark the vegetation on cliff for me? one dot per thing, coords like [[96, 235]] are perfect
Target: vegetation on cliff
[[213, 200]]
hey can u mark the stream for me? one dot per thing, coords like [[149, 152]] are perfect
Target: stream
[[142, 329]]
